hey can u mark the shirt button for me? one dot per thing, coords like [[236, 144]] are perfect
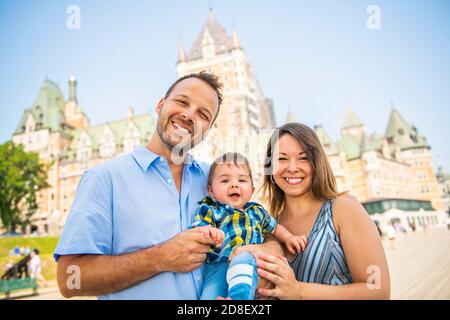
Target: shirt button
[[169, 180], [227, 207], [199, 279]]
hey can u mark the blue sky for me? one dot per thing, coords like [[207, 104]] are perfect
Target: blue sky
[[317, 58]]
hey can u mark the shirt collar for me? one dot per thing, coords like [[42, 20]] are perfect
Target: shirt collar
[[212, 202], [216, 203], [250, 205], [145, 158], [191, 162]]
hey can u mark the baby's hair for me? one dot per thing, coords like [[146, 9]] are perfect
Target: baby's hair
[[230, 158]]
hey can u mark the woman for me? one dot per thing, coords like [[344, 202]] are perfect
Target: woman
[[344, 256]]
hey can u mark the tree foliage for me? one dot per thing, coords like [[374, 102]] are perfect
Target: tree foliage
[[22, 175]]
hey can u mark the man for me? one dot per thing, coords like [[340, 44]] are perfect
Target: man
[[127, 235]]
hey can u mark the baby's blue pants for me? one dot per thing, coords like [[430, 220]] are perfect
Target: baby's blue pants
[[237, 280]]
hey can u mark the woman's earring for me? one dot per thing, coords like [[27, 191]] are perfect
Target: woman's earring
[[271, 179]]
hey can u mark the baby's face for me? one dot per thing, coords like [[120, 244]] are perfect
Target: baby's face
[[231, 185]]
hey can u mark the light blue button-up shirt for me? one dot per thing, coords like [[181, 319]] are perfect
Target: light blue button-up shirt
[[131, 203]]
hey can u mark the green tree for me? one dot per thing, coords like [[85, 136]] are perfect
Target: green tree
[[22, 175]]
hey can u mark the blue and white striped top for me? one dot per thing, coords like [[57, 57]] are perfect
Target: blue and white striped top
[[323, 260]]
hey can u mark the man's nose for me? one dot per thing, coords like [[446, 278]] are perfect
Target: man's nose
[[188, 114]]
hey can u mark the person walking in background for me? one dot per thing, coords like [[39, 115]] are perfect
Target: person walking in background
[[34, 266], [412, 225], [400, 229], [425, 228], [391, 235]]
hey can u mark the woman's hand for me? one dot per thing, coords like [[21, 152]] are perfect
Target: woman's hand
[[276, 269]]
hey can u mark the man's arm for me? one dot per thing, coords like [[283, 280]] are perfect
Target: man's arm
[[104, 274]]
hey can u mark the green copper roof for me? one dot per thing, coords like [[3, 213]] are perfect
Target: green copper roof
[[47, 109], [403, 134], [350, 145], [330, 147], [143, 123], [353, 146], [442, 174], [351, 120], [372, 142]]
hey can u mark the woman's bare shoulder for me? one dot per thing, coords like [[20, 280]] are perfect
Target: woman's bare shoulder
[[345, 201], [347, 209]]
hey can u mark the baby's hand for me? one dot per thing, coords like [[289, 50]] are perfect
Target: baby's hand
[[215, 234], [296, 244]]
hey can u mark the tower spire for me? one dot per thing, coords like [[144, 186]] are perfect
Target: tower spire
[[181, 54], [236, 42], [72, 89]]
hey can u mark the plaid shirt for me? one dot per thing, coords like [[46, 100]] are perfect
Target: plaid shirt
[[240, 227]]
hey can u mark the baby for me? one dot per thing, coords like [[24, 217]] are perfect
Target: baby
[[232, 221]]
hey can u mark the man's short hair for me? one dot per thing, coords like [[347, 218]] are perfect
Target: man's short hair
[[211, 79]]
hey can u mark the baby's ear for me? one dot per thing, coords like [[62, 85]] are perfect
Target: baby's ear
[[210, 191]]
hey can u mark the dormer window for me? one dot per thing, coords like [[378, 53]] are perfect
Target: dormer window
[[108, 144]]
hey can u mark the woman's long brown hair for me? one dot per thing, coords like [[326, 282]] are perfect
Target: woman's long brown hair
[[323, 185]]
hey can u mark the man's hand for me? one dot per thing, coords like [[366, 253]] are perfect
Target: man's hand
[[186, 251], [296, 244]]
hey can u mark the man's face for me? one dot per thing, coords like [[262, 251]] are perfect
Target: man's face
[[187, 114]]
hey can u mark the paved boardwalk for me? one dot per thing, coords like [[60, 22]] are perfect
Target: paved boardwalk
[[419, 266]]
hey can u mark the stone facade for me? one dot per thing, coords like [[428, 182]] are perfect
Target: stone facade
[[397, 164]]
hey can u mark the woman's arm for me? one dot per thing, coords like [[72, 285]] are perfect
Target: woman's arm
[[363, 250], [364, 255]]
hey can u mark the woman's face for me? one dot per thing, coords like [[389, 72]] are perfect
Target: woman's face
[[292, 170]]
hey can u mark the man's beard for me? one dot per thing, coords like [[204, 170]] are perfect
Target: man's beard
[[184, 146]]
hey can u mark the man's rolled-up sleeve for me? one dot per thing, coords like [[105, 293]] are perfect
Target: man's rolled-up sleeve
[[89, 226]]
